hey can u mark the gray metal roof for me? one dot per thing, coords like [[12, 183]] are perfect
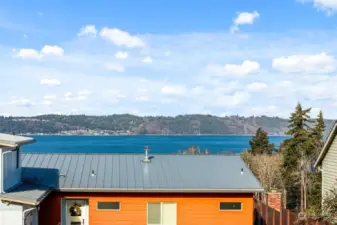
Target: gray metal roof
[[14, 140], [165, 173], [25, 193]]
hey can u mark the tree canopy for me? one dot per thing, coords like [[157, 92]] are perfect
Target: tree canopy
[[260, 143]]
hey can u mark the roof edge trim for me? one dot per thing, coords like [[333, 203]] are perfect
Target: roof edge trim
[[253, 190], [327, 144], [19, 201]]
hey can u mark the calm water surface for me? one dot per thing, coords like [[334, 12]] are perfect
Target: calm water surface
[[135, 144]]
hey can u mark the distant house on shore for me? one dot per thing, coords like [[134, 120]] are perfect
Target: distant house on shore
[[94, 189], [327, 162]]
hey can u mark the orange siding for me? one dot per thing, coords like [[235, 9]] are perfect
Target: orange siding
[[192, 209]]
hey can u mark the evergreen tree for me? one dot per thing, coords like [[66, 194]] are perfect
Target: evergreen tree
[[317, 134], [315, 178], [296, 150], [315, 193], [260, 143]]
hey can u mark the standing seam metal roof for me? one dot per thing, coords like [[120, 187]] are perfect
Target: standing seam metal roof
[[113, 172]]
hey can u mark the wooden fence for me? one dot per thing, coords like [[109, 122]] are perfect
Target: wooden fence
[[264, 215]]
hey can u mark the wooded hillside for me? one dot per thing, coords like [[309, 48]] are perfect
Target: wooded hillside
[[130, 124]]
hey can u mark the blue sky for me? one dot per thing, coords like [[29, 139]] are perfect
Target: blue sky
[[248, 57]]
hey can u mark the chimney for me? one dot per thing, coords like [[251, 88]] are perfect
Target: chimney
[[146, 156], [275, 200]]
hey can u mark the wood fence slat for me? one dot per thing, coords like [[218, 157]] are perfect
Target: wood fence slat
[[281, 215], [267, 212]]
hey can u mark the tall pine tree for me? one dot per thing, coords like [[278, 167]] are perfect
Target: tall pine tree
[[315, 178], [260, 143], [295, 151], [317, 135]]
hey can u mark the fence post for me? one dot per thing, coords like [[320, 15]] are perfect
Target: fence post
[[261, 214], [288, 217]]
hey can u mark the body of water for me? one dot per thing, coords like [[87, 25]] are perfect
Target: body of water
[[135, 144]]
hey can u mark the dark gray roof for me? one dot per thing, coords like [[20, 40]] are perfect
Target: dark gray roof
[[25, 193], [14, 140], [165, 173], [328, 141]]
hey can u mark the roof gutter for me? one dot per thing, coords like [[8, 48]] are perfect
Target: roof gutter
[[16, 144], [9, 200], [159, 190]]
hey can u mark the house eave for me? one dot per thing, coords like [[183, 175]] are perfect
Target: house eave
[[9, 200], [127, 190]]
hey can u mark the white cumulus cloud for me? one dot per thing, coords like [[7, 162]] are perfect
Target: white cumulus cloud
[[88, 30], [242, 19], [121, 55], [27, 53], [52, 50], [121, 38], [50, 82], [247, 67], [246, 18], [329, 6], [32, 54], [317, 63]]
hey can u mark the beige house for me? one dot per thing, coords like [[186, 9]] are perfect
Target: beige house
[[327, 162]]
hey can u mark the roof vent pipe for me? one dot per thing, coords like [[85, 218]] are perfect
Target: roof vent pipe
[[146, 156], [241, 171]]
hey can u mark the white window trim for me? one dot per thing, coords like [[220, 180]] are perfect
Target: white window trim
[[161, 212], [97, 209], [230, 210]]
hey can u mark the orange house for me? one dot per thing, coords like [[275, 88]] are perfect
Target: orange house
[[116, 189]]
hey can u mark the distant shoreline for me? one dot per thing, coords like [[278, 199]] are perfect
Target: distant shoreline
[[167, 135]]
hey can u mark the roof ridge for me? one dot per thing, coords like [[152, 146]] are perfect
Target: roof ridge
[[140, 154]]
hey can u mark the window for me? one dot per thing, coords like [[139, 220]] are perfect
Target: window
[[162, 213], [108, 205], [230, 206]]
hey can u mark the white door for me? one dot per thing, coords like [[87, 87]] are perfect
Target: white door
[[169, 213], [76, 212], [162, 213]]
